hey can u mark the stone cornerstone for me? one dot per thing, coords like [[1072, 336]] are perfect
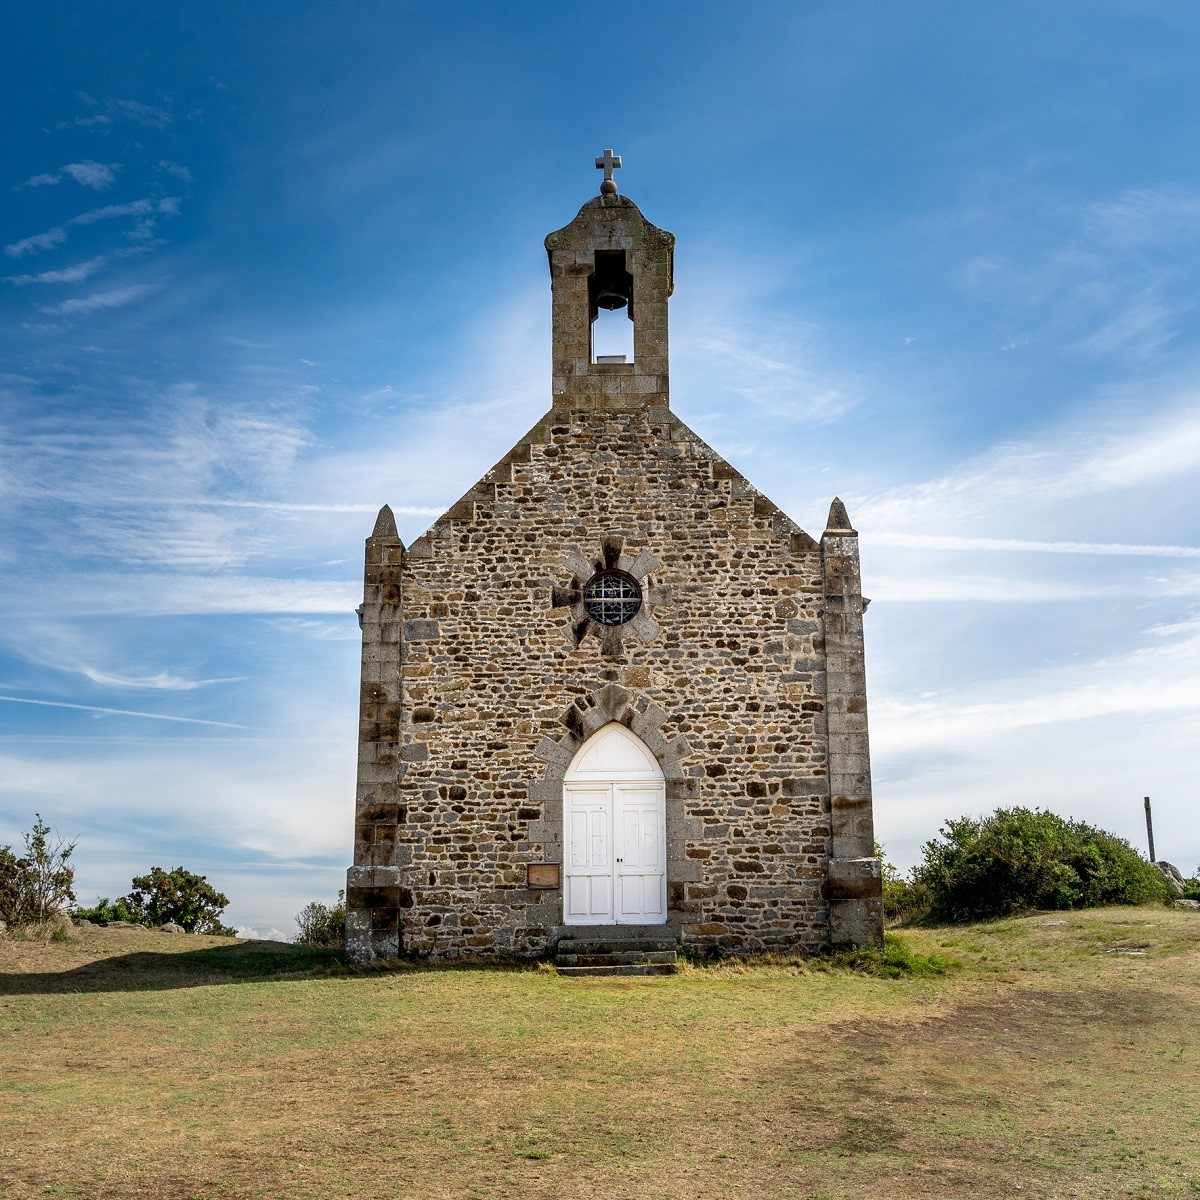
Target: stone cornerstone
[[731, 646]]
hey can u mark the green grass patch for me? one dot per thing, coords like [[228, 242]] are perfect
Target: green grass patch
[[895, 959], [950, 1061]]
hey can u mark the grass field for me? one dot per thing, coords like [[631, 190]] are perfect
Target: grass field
[[1059, 1056]]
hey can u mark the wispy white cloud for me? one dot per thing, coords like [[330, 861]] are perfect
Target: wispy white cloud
[[36, 243], [1060, 464], [175, 170], [73, 650], [345, 630], [134, 208], [932, 541], [133, 489], [149, 115], [74, 274], [412, 461], [100, 113], [408, 510], [162, 681], [101, 710], [920, 586], [160, 594], [1142, 325], [1145, 216], [769, 370], [1189, 627], [88, 173], [1102, 280], [146, 208], [95, 175], [117, 297], [757, 352], [1155, 680], [89, 121]]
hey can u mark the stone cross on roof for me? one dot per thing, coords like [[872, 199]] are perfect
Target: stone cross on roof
[[608, 162]]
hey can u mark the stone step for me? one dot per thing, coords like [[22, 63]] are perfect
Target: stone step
[[610, 946], [620, 969], [615, 933], [619, 958]]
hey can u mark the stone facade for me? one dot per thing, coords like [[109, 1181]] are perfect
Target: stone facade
[[482, 673]]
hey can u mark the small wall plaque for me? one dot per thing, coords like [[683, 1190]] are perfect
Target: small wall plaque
[[543, 875]]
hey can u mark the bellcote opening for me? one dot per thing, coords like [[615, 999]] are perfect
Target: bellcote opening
[[611, 274], [610, 289]]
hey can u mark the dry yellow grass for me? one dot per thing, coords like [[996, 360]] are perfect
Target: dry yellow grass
[[1060, 1058]]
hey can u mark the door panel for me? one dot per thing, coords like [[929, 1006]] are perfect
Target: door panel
[[588, 898], [641, 866]]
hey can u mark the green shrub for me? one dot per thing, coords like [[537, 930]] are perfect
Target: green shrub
[[1191, 887], [905, 898], [38, 883], [180, 896], [322, 924], [1020, 858], [161, 896], [105, 911], [14, 889]]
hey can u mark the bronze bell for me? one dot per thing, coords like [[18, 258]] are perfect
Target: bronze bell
[[610, 285], [611, 299]]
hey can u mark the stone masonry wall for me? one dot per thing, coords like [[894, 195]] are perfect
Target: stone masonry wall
[[474, 692]]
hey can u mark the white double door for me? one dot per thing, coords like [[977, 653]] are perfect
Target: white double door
[[616, 856]]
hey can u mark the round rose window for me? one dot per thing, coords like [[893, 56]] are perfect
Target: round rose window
[[612, 597]]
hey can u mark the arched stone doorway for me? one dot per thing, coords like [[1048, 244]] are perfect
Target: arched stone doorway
[[614, 833]]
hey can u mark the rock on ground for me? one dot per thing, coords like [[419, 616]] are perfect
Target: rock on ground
[[1171, 874]]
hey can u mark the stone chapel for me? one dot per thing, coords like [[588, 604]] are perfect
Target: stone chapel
[[613, 702]]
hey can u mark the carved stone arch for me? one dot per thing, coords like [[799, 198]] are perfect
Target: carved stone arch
[[641, 716]]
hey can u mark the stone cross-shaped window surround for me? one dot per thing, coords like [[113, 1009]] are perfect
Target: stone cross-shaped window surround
[[611, 558], [608, 162]]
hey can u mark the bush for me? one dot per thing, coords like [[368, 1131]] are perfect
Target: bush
[[322, 924], [905, 898], [161, 896], [105, 911], [38, 883], [180, 896], [1191, 887], [1020, 858]]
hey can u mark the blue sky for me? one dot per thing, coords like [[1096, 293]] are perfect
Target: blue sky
[[266, 267]]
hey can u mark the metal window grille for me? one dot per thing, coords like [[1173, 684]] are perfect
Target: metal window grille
[[612, 598]]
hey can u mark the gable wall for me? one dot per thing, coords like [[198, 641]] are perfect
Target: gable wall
[[452, 798]]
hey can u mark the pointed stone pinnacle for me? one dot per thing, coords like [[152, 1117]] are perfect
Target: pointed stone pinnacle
[[385, 525], [839, 519]]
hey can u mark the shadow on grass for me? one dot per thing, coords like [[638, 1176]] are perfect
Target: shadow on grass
[[146, 970], [239, 962]]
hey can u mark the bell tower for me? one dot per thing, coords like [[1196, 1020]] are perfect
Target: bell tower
[[610, 259]]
